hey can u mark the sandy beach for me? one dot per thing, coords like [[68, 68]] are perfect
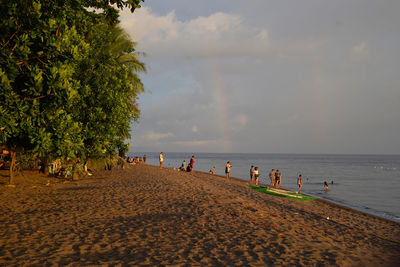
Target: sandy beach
[[146, 216]]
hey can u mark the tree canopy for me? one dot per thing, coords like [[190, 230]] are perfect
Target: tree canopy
[[68, 78]]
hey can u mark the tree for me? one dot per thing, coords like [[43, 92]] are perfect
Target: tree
[[109, 89], [43, 45]]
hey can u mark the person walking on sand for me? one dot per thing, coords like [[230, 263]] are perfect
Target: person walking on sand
[[251, 174], [326, 187], [272, 177], [278, 177], [161, 159], [228, 167], [299, 183], [256, 174]]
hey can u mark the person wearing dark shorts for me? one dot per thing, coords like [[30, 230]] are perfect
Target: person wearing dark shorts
[[228, 167], [278, 176], [256, 175], [299, 183], [251, 174]]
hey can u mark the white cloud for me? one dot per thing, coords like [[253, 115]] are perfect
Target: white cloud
[[361, 50], [239, 122], [219, 34], [153, 136], [195, 143]]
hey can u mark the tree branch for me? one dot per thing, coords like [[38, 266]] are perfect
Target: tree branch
[[36, 98]]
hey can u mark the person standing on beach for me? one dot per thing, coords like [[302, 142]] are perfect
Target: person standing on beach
[[144, 158], [228, 167], [251, 173], [256, 174], [161, 159], [272, 177], [278, 177], [326, 187], [299, 183], [191, 163]]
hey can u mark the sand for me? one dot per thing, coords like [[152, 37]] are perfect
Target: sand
[[146, 216]]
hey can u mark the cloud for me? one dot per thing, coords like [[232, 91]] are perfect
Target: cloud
[[219, 34], [283, 76], [153, 136], [238, 122], [361, 50], [195, 143]]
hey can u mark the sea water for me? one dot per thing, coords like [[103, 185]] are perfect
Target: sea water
[[369, 183]]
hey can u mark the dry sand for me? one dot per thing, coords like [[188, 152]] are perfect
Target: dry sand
[[147, 216]]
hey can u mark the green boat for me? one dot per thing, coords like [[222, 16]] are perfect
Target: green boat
[[282, 193]]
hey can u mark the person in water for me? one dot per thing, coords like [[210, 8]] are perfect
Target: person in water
[[326, 187]]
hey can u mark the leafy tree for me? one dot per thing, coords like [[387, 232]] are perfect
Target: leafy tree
[[109, 88], [42, 47]]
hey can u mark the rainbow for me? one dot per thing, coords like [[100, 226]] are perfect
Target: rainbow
[[222, 105]]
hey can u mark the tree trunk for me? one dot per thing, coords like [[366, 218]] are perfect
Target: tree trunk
[[13, 155], [75, 173]]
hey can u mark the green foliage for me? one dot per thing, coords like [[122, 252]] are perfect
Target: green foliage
[[68, 83]]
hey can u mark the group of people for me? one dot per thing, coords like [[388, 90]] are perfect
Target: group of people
[[228, 168], [135, 160], [184, 166], [275, 176], [187, 167]]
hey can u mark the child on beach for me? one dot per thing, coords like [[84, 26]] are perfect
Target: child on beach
[[256, 174], [251, 174], [212, 171], [299, 183], [228, 167]]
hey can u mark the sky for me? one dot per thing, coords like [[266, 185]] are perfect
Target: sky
[[259, 76]]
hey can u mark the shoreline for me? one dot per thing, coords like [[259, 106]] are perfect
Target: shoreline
[[326, 201], [358, 173], [146, 216]]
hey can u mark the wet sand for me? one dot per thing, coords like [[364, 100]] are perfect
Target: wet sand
[[146, 216]]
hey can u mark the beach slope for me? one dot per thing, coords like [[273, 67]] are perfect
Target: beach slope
[[146, 216]]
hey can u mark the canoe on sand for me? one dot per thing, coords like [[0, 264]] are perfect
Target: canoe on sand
[[282, 193]]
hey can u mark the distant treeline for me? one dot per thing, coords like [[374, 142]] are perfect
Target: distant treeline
[[68, 80]]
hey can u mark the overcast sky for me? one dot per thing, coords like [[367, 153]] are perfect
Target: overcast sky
[[309, 76]]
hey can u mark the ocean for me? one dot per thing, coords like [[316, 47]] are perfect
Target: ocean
[[368, 183]]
